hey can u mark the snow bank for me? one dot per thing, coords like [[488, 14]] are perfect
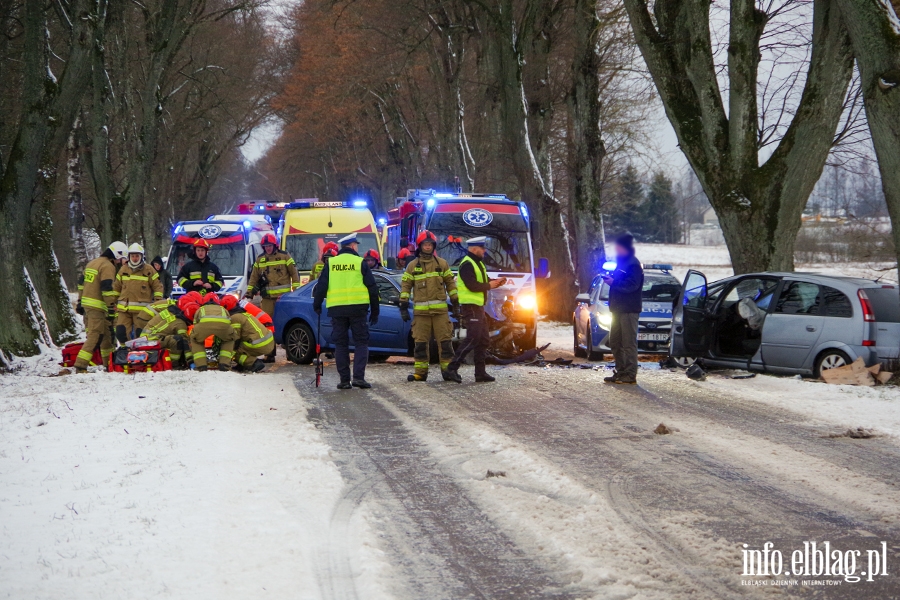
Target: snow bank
[[194, 485]]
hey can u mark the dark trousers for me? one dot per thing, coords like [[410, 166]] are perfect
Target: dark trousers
[[622, 341], [340, 330], [477, 338]]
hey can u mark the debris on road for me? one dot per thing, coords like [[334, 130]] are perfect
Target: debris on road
[[696, 373], [495, 474], [661, 429], [856, 373], [860, 433]]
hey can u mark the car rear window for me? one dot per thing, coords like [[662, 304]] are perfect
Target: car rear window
[[837, 304], [886, 303]]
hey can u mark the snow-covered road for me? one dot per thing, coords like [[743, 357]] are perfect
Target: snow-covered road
[[547, 484]]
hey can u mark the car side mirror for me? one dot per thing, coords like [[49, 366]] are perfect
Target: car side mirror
[[542, 270], [585, 298]]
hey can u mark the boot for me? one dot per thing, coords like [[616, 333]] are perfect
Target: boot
[[614, 378], [344, 385], [626, 380], [80, 371], [201, 369], [270, 358], [257, 366], [417, 377], [451, 376], [224, 368], [484, 378], [361, 383]]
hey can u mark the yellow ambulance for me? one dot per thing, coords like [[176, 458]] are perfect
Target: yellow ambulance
[[307, 225]]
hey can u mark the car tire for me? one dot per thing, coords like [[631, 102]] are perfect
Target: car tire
[[591, 355], [578, 350], [830, 359], [684, 362], [300, 343]]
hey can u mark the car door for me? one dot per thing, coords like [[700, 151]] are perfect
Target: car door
[[388, 334], [691, 325], [793, 325], [583, 311]]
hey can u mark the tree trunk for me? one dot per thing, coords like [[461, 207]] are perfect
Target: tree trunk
[[73, 191], [875, 33]]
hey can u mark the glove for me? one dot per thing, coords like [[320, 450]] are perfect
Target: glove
[[373, 317], [404, 314], [454, 311], [79, 308]]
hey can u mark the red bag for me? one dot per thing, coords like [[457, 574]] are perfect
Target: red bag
[[70, 355], [140, 360]]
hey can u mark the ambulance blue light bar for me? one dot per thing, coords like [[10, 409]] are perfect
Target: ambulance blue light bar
[[326, 204], [659, 267]]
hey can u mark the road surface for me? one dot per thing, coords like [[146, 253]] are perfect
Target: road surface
[[549, 484]]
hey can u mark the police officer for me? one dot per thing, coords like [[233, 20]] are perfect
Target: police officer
[[429, 279], [330, 249], [274, 274], [200, 274], [350, 287], [473, 287], [97, 301], [137, 285]]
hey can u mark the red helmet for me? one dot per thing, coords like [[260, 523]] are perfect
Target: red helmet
[[269, 238], [201, 243], [426, 236], [404, 253], [188, 298], [190, 309], [330, 246], [373, 254], [228, 302], [211, 298]]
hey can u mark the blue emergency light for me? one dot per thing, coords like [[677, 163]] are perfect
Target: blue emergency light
[[248, 225], [609, 266], [360, 204], [430, 203]]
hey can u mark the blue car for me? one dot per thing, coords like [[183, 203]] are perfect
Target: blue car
[[592, 319], [296, 323]]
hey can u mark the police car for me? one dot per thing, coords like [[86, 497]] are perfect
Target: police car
[[592, 319]]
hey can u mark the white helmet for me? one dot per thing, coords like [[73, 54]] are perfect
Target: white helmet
[[119, 250], [135, 249]]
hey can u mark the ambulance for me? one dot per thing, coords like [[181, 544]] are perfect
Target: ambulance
[[235, 241], [307, 225]]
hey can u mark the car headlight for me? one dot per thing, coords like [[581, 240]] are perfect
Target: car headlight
[[605, 320], [527, 301]]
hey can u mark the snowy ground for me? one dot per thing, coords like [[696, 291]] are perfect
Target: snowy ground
[[188, 485]]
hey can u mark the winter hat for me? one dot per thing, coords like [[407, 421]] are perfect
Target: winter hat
[[626, 240]]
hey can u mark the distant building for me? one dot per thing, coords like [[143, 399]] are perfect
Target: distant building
[[709, 216]]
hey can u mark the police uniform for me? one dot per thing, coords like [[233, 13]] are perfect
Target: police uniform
[[351, 292], [169, 328], [137, 287], [97, 300], [473, 287], [212, 319], [429, 281]]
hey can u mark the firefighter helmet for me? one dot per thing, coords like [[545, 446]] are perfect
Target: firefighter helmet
[[119, 250], [373, 254], [269, 238], [404, 253], [201, 243], [189, 310], [330, 249], [228, 302], [211, 298], [426, 236], [135, 249]]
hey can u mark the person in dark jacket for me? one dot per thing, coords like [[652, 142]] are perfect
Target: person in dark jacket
[[200, 274], [164, 276], [352, 293], [625, 303]]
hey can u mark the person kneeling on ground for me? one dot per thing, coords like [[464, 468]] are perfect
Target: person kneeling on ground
[[169, 328], [212, 319], [625, 303], [252, 338]]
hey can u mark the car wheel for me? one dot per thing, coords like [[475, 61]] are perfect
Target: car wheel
[[578, 350], [830, 359], [591, 355], [300, 343], [684, 361]]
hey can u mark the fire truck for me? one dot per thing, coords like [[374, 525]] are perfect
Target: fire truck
[[512, 309]]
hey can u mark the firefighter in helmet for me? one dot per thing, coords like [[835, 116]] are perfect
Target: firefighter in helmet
[[330, 249], [97, 302], [200, 274], [252, 338], [428, 281], [373, 259], [212, 319], [137, 285], [274, 274], [169, 328]]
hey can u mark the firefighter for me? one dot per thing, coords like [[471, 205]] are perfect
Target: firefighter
[[330, 249], [169, 328], [200, 274], [252, 338], [137, 285], [474, 284], [259, 313], [97, 302], [403, 256], [429, 280], [153, 309], [274, 274], [352, 292], [373, 259], [212, 319]]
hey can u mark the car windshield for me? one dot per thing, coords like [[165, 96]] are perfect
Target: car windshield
[[306, 249], [228, 257], [504, 251], [658, 287]]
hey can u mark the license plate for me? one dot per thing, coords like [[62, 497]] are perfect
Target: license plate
[[653, 337]]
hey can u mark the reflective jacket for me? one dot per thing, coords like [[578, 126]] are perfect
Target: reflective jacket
[[474, 283], [166, 323], [96, 289], [250, 333], [156, 307], [211, 313], [261, 315], [429, 280], [206, 271], [137, 287], [280, 271]]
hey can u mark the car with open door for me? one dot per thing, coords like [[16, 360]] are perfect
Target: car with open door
[[790, 323]]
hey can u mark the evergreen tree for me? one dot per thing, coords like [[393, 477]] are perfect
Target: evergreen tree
[[660, 211], [626, 212]]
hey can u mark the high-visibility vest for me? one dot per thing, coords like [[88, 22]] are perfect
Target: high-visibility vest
[[212, 313], [345, 282], [467, 296]]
